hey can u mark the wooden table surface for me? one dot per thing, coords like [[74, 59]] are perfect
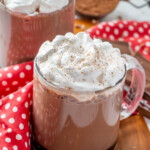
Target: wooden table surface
[[133, 134]]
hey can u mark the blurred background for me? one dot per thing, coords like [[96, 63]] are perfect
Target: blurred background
[[106, 10]]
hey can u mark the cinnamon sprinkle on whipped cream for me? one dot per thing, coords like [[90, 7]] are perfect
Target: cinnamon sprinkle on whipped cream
[[79, 63]]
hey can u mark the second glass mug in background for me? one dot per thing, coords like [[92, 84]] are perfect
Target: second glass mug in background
[[21, 35], [61, 121]]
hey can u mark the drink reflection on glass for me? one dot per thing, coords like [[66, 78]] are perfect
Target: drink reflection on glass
[[78, 89], [25, 25]]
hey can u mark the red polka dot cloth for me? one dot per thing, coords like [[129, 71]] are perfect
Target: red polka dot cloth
[[15, 101], [137, 34]]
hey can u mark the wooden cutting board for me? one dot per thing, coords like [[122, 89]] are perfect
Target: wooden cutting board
[[133, 134]]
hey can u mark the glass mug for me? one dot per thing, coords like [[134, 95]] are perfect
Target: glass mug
[[21, 35], [75, 120]]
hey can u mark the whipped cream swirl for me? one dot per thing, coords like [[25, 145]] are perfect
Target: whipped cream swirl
[[33, 6], [79, 63]]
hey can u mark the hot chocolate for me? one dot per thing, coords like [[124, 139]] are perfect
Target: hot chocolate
[[61, 120], [24, 26], [78, 85]]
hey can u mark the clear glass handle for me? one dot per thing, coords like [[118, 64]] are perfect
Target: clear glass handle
[[136, 89]]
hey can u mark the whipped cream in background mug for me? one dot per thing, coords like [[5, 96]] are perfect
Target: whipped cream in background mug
[[32, 6]]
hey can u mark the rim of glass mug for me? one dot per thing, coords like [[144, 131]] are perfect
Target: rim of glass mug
[[48, 83]]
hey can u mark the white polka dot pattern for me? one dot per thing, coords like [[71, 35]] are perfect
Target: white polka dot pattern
[[15, 104], [11, 120], [137, 34], [8, 140], [15, 109]]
